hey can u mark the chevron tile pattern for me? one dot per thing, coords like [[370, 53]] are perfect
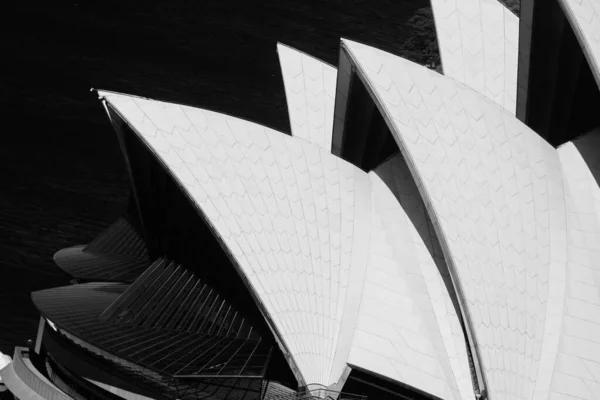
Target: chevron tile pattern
[[584, 16], [310, 92], [479, 41], [477, 217], [438, 302], [407, 327], [494, 191], [468, 260], [293, 216], [284, 208], [584, 153], [571, 365]]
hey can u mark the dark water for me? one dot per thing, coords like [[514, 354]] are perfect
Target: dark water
[[62, 177]]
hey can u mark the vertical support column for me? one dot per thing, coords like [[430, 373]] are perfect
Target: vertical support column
[[40, 334]]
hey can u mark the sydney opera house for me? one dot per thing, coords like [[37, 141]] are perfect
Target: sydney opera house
[[417, 236]]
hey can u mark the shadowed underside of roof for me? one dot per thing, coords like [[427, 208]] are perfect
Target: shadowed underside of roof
[[570, 361], [494, 191], [296, 219], [402, 231], [285, 209], [474, 243]]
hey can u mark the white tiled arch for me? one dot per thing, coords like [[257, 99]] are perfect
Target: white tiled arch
[[513, 214], [584, 17], [478, 42], [399, 321], [284, 208], [407, 327], [494, 189], [518, 221], [328, 211], [310, 93]]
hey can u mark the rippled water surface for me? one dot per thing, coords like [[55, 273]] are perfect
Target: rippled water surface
[[62, 178]]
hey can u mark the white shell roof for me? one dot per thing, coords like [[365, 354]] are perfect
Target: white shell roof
[[495, 190], [479, 42], [360, 269], [407, 327], [584, 16], [570, 362], [285, 208], [310, 92], [298, 221]]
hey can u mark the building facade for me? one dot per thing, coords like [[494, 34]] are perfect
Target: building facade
[[417, 235]]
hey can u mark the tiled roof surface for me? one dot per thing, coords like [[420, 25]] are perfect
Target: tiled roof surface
[[479, 218], [310, 92], [408, 328], [479, 41], [584, 16], [494, 189], [284, 208], [297, 220], [570, 364]]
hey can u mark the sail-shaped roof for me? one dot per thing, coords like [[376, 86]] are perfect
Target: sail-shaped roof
[[299, 223], [310, 93], [494, 190], [478, 42], [584, 16], [284, 207], [468, 260], [408, 328]]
